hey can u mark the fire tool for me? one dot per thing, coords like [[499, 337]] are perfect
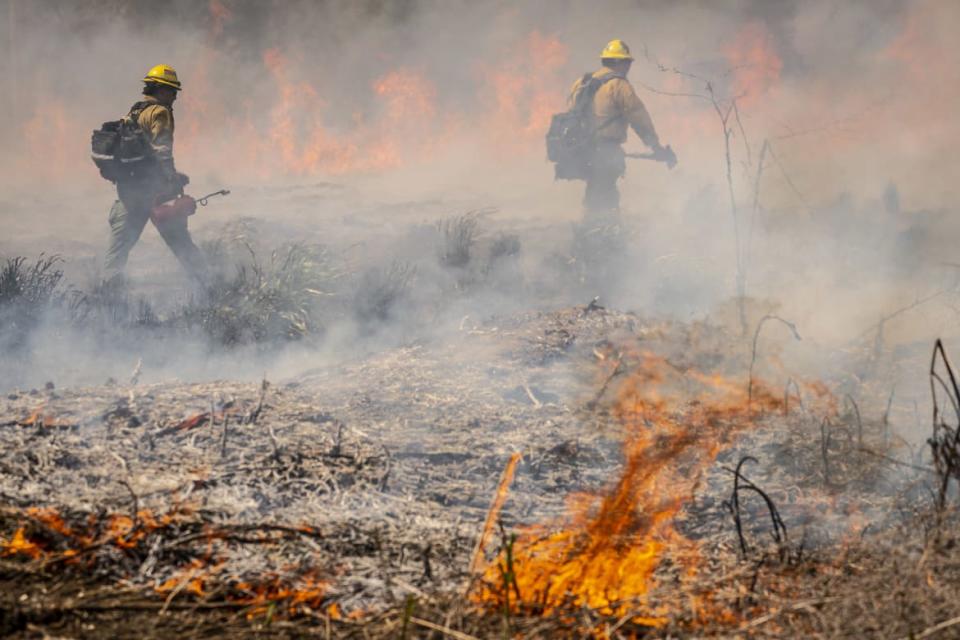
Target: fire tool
[[665, 155], [182, 206]]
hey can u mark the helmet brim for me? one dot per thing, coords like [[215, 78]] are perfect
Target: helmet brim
[[177, 86]]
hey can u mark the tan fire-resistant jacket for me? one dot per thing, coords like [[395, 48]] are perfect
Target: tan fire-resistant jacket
[[157, 121], [615, 106]]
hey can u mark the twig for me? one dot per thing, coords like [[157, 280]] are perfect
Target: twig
[[180, 587], [617, 370], [913, 305], [255, 414], [743, 133], [727, 132], [886, 415], [945, 441], [493, 514], [223, 439], [136, 504], [856, 411], [779, 528], [735, 505], [137, 370], [824, 446], [753, 356], [786, 395], [929, 631], [788, 179], [533, 398], [891, 460], [797, 606], [441, 629], [274, 442], [756, 194]]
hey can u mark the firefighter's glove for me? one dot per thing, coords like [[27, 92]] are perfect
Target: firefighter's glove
[[666, 156]]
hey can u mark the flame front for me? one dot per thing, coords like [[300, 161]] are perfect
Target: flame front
[[605, 555], [291, 592]]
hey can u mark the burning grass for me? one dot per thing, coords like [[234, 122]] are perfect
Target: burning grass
[[350, 502], [605, 554]]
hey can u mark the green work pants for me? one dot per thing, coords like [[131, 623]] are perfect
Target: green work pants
[[129, 216], [607, 165]]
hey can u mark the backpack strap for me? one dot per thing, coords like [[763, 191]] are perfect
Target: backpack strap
[[138, 107], [587, 90]]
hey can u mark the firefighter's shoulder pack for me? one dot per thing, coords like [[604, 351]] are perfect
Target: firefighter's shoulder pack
[[120, 148], [570, 137]]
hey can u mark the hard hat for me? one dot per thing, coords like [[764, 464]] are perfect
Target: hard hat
[[163, 74], [616, 50]]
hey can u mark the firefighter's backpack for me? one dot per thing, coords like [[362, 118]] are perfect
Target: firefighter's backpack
[[570, 137], [120, 148]]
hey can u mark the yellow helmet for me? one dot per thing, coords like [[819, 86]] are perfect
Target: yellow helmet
[[163, 74], [616, 50]]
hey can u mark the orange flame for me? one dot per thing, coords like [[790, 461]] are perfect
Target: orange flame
[[19, 544], [525, 92], [755, 63], [292, 128], [607, 552], [282, 594]]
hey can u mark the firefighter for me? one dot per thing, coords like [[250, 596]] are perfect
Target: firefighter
[[615, 107], [157, 182]]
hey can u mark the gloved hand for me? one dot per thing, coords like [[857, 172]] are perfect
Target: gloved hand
[[665, 155], [181, 180]]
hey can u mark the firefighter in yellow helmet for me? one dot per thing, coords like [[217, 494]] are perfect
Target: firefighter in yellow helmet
[[154, 180], [615, 107]]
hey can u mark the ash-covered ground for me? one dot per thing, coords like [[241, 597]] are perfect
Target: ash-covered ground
[[403, 304], [321, 434], [374, 476]]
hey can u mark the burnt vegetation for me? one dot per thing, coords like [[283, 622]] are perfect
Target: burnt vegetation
[[239, 508]]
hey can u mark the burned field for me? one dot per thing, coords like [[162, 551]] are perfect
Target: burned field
[[557, 474]]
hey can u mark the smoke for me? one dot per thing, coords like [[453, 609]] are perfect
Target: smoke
[[360, 125]]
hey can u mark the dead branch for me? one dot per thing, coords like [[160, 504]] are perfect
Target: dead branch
[[255, 414], [856, 410], [824, 449], [617, 370], [786, 395], [426, 624], [756, 337], [493, 513], [945, 441], [740, 482]]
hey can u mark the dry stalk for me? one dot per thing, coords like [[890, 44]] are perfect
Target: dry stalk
[[741, 482], [492, 515], [945, 441], [756, 337], [856, 411], [786, 395], [617, 370], [929, 631], [824, 449], [426, 624]]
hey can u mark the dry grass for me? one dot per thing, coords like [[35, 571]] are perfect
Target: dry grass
[[27, 292]]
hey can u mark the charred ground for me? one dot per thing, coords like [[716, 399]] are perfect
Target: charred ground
[[348, 502]]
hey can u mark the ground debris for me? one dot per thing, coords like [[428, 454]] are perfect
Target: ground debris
[[354, 501]]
